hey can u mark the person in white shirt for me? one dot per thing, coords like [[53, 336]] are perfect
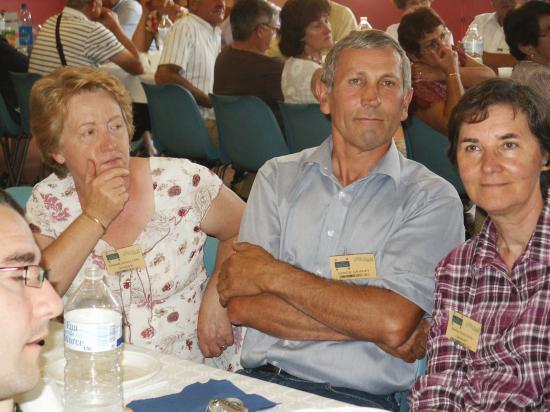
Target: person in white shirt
[[27, 303], [89, 35], [128, 12], [407, 6], [496, 52], [190, 51]]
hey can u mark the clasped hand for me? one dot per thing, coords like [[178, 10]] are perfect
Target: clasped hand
[[245, 273]]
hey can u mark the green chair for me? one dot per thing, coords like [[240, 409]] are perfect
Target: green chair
[[210, 251], [402, 397], [177, 126], [22, 83], [20, 194], [9, 133], [248, 131], [429, 147], [305, 125]]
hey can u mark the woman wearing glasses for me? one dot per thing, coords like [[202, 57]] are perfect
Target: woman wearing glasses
[[527, 31], [442, 70]]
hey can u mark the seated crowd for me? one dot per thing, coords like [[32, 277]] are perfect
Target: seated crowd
[[348, 266]]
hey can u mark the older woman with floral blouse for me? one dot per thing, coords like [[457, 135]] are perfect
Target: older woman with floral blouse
[[100, 200]]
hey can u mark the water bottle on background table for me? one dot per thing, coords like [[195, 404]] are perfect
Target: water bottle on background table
[[93, 343], [473, 43], [364, 24], [164, 26], [25, 29]]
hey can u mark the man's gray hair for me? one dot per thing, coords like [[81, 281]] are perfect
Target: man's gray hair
[[247, 15], [366, 39]]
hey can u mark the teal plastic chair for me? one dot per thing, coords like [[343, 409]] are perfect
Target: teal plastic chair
[[402, 397], [305, 125], [9, 135], [22, 83], [429, 147], [210, 251], [177, 126], [248, 132], [20, 194]]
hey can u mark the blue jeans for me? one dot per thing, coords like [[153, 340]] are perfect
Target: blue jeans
[[326, 390]]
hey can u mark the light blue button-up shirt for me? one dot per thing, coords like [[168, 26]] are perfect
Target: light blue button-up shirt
[[408, 217]]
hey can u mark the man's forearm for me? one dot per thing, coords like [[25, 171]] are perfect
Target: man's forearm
[[126, 42], [165, 75], [273, 316], [373, 314]]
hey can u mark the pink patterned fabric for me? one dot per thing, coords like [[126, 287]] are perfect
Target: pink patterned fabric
[[160, 302], [510, 371], [427, 92]]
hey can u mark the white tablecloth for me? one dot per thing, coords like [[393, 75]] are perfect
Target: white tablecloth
[[175, 374], [132, 82]]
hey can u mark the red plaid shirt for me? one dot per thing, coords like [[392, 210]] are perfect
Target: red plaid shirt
[[510, 371]]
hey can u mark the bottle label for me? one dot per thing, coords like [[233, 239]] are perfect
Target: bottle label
[[93, 330], [25, 35]]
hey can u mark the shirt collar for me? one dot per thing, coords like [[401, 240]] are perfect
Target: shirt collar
[[205, 23], [389, 165], [74, 13], [538, 247]]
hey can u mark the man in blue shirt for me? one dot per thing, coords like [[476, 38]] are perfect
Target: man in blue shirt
[[342, 240]]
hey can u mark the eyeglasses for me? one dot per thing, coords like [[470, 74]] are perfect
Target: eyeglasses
[[33, 275], [274, 28], [545, 32], [435, 44]]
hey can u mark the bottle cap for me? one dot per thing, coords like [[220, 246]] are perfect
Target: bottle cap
[[93, 273]]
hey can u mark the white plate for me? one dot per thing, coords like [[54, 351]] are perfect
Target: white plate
[[137, 367]]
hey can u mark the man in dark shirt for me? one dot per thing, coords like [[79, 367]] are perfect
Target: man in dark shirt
[[242, 68], [12, 61]]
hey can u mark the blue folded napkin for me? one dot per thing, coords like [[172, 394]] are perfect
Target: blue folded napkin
[[195, 397]]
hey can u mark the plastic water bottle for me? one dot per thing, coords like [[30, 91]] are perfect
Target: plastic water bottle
[[473, 43], [364, 24], [164, 26], [2, 23], [93, 343], [25, 29]]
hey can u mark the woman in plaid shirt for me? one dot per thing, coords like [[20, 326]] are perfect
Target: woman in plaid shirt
[[489, 343]]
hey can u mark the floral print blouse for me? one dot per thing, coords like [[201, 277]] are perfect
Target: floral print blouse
[[161, 301]]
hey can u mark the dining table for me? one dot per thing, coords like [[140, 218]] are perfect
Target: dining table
[[133, 82], [164, 374]]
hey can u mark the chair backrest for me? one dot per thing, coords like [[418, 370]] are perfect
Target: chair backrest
[[23, 82], [402, 397], [7, 126], [305, 125], [177, 126], [210, 251], [248, 131], [20, 194], [429, 147]]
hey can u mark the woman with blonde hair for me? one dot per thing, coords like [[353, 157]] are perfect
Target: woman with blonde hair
[[99, 200]]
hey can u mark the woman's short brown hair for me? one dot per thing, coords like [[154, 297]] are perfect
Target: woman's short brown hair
[[49, 106], [295, 17], [414, 26]]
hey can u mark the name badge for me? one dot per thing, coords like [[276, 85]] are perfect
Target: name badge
[[125, 259], [358, 266], [463, 330]]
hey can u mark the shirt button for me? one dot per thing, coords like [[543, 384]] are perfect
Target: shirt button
[[330, 233], [341, 195]]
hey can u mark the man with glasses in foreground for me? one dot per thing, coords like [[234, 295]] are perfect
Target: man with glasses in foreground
[[27, 303]]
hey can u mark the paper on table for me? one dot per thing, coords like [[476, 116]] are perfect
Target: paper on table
[[195, 398]]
